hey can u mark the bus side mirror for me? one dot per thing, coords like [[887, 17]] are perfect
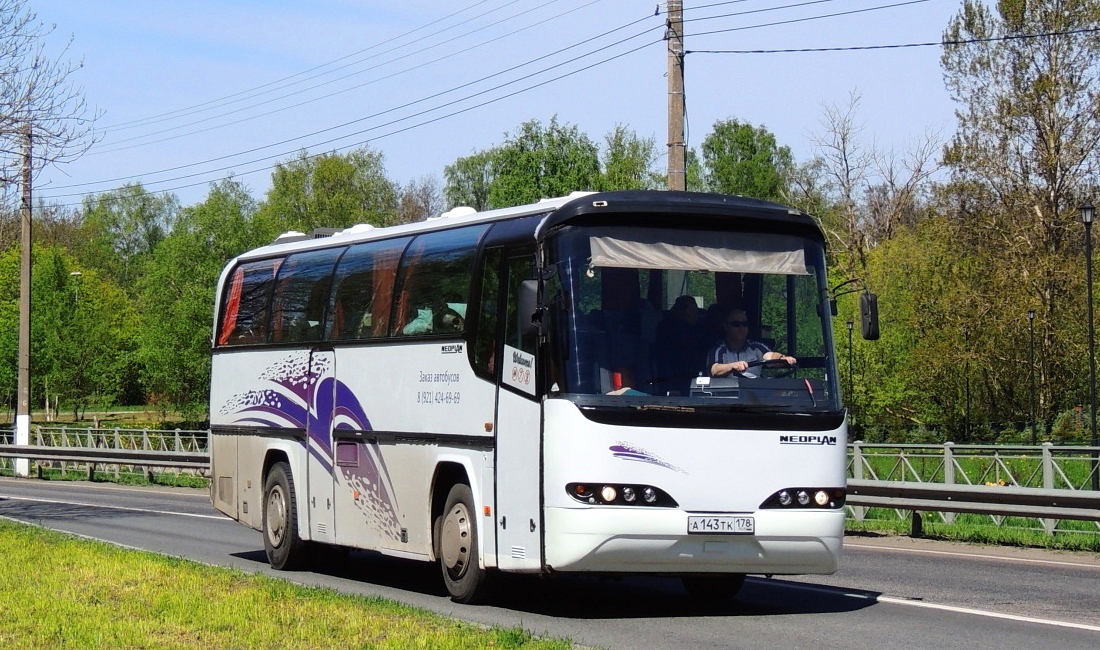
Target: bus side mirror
[[528, 306], [868, 312]]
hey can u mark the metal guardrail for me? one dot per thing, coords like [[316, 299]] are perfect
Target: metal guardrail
[[116, 449], [145, 458], [1045, 482]]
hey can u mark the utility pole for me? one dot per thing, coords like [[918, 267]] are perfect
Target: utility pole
[[677, 158], [23, 410]]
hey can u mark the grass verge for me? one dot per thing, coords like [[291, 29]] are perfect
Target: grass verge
[[58, 591], [978, 529]]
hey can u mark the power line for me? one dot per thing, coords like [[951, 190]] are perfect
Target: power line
[[756, 11], [391, 110], [115, 148], [423, 112], [379, 137], [169, 114], [809, 18], [971, 41]]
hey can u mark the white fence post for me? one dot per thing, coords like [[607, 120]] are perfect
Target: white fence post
[[859, 512], [1048, 483], [948, 476]]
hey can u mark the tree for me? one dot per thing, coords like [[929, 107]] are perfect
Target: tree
[[82, 335], [1024, 157], [469, 180], [329, 191], [540, 162], [419, 200], [9, 324], [39, 101], [628, 162], [177, 295], [745, 160], [872, 192], [122, 228]]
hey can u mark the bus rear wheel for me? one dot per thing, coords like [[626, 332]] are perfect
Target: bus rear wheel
[[457, 548], [285, 549], [713, 588]]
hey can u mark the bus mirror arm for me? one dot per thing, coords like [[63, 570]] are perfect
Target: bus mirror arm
[[868, 306], [529, 314]]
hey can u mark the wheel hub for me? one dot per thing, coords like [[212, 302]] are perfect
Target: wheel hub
[[455, 542], [276, 517]]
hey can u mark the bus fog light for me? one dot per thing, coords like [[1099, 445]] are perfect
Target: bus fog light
[[608, 493], [803, 498], [650, 495], [629, 495], [785, 498], [821, 497]]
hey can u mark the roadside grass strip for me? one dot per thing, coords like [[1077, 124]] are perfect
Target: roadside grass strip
[[58, 591]]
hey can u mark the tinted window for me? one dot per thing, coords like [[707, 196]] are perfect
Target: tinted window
[[485, 341], [247, 302], [362, 291], [434, 282], [301, 295]]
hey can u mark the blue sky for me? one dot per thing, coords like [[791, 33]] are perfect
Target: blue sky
[[193, 90]]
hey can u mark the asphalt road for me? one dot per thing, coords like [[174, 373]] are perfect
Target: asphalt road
[[891, 592]]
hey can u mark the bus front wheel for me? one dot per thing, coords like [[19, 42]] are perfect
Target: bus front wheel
[[457, 548], [285, 549]]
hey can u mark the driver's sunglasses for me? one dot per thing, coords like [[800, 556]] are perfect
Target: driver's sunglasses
[[737, 323]]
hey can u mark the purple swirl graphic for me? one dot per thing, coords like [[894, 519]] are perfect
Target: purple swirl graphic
[[302, 393], [627, 451]]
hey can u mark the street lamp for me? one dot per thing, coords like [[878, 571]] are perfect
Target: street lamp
[[1087, 214], [76, 275], [851, 393], [1031, 367], [966, 416]]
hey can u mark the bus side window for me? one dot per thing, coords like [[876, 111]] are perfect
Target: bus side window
[[518, 336], [248, 302], [301, 295], [486, 336], [434, 282], [362, 290]]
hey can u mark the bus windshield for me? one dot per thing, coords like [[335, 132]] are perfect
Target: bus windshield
[[637, 314]]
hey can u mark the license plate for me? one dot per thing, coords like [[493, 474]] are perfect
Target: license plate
[[723, 525]]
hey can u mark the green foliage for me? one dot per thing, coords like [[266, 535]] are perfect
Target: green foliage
[[628, 162], [120, 230], [746, 160], [177, 296], [540, 162], [469, 180], [547, 161], [329, 191], [82, 334], [9, 324]]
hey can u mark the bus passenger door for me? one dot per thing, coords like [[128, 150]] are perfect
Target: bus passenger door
[[518, 432], [319, 451]]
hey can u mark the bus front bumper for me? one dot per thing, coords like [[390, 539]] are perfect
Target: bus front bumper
[[649, 540]]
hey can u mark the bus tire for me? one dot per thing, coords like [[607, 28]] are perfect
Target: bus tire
[[466, 580], [713, 588], [285, 549]]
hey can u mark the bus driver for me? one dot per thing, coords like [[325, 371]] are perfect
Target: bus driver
[[736, 351]]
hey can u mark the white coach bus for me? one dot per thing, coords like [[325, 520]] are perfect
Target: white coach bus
[[526, 390]]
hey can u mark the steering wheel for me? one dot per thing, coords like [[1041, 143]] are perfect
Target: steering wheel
[[775, 364]]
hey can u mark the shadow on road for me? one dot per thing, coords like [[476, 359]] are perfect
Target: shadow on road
[[594, 598]]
